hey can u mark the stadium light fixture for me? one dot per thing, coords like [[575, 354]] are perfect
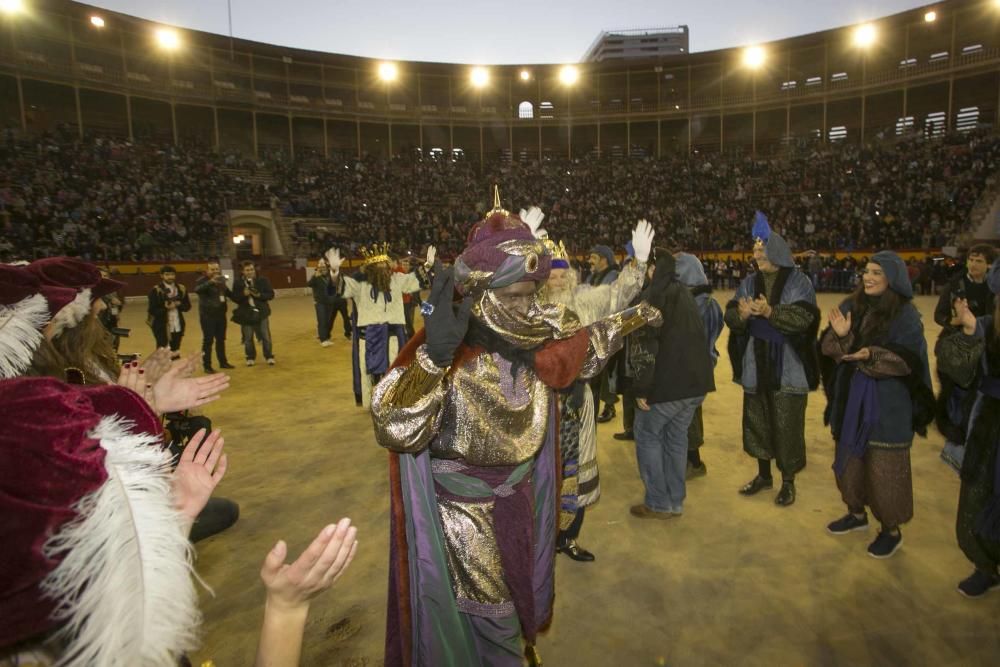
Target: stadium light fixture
[[168, 39], [480, 76], [864, 35], [930, 17], [569, 75], [525, 75], [754, 57], [388, 72], [96, 21], [11, 6]]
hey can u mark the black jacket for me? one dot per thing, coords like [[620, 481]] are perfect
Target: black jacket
[[671, 363], [209, 302], [326, 291], [242, 295], [157, 308], [979, 295]]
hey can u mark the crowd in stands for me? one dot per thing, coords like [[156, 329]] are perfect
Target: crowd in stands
[[111, 200]]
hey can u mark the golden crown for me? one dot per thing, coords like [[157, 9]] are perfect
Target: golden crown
[[376, 254], [557, 251]]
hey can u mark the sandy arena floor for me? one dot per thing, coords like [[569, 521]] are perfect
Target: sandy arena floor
[[736, 581]]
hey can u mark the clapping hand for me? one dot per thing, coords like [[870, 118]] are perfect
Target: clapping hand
[[177, 391], [291, 587], [745, 305], [760, 307], [840, 323], [200, 469], [156, 364], [966, 318], [642, 241], [864, 354]]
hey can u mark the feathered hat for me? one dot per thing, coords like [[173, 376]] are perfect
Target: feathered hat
[[775, 247], [500, 251], [94, 548], [26, 306], [76, 274]]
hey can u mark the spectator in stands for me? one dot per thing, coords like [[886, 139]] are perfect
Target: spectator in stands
[[168, 301], [252, 293]]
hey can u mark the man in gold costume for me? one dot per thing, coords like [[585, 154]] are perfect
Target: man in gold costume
[[469, 412]]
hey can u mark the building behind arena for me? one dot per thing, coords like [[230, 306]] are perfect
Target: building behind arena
[[915, 75]]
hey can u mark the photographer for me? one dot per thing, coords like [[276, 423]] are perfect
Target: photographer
[[212, 306], [110, 315], [252, 293], [167, 303], [326, 292]]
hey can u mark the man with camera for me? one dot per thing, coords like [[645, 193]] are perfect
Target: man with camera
[[168, 301], [327, 298], [212, 306], [252, 293]]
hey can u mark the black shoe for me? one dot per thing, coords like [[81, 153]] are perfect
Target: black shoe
[[226, 364], [756, 485], [347, 335], [626, 435], [978, 584], [847, 523], [786, 496], [208, 370], [692, 472], [608, 414], [575, 551], [885, 544]]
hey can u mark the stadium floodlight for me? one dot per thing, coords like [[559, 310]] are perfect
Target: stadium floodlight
[[754, 57], [388, 72], [864, 35], [569, 75], [930, 17], [168, 39], [11, 6], [479, 76], [525, 75], [96, 21]]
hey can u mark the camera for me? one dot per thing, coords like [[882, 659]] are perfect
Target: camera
[[119, 332]]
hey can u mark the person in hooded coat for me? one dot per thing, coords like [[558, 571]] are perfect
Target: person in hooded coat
[[971, 359], [672, 372], [773, 321], [691, 274], [877, 380]]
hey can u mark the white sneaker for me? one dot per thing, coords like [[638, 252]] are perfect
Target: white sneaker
[[270, 362], [326, 343], [250, 362]]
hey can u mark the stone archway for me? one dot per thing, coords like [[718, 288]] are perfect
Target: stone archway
[[261, 228]]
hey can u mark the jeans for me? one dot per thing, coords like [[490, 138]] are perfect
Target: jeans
[[661, 445], [213, 329], [263, 332]]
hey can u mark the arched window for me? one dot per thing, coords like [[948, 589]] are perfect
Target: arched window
[[525, 110]]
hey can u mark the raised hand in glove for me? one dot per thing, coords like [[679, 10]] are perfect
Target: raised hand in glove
[[642, 240], [333, 260], [431, 256], [533, 218], [444, 325]]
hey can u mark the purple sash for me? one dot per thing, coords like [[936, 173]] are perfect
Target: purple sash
[[860, 417]]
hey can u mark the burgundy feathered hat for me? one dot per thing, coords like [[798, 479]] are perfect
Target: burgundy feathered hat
[[500, 251], [26, 306], [93, 545]]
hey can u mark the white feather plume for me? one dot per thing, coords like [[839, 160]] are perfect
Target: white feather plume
[[73, 313], [124, 589], [20, 333]]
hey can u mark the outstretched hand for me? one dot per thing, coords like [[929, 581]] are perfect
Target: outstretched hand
[[840, 323], [642, 240], [176, 390], [431, 256], [444, 326], [320, 565], [200, 469]]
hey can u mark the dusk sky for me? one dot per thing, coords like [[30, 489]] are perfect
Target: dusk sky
[[516, 31]]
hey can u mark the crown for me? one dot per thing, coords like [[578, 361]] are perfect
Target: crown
[[497, 208], [557, 251], [376, 254]]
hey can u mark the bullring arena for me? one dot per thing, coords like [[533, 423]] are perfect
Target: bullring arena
[[181, 146]]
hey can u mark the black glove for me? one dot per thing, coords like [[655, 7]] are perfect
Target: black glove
[[444, 326]]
